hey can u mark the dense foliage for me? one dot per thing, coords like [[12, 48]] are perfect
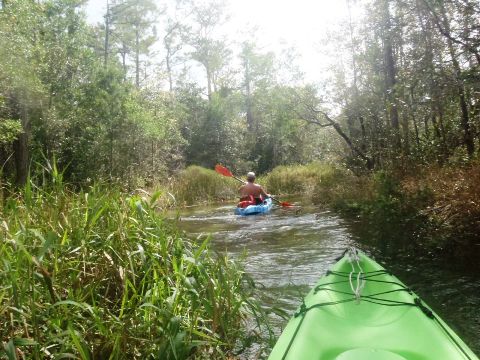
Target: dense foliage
[[408, 84], [78, 92], [405, 91], [87, 271], [101, 275], [433, 209]]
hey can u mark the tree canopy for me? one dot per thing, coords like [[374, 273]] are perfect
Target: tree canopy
[[156, 87]]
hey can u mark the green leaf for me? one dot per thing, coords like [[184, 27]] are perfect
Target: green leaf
[[11, 350], [24, 342], [9, 130], [155, 196], [79, 344]]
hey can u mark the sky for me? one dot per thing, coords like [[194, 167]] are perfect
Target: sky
[[280, 23]]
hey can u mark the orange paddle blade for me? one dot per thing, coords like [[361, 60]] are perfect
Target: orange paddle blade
[[282, 203], [223, 170]]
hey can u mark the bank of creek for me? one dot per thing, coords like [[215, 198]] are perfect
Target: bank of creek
[[288, 250]]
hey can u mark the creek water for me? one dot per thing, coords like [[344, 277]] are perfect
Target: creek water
[[286, 251]]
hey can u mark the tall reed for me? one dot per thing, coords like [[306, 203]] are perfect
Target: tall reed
[[305, 179], [101, 275], [196, 184]]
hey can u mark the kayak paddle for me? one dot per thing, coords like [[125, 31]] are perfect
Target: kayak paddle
[[225, 172]]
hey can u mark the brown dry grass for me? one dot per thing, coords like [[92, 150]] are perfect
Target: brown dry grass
[[456, 201], [456, 191]]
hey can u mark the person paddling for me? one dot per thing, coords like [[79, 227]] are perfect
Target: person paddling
[[251, 192], [225, 172]]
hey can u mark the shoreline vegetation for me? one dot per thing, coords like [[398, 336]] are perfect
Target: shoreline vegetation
[[100, 274], [436, 208], [90, 268]]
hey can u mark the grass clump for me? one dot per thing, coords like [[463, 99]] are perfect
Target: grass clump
[[101, 275], [454, 209], [296, 179], [196, 184]]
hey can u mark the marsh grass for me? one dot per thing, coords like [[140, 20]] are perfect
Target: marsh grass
[[303, 179], [199, 185], [100, 275], [325, 183], [453, 207]]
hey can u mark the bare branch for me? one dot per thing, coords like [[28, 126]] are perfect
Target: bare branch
[[447, 33]]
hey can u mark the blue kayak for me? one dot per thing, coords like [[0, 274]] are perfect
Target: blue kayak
[[255, 209]]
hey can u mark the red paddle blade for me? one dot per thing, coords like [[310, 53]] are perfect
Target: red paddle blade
[[283, 203], [223, 170]]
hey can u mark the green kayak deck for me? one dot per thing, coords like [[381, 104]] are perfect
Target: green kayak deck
[[359, 311]]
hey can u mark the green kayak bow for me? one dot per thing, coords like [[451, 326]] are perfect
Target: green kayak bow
[[359, 311]]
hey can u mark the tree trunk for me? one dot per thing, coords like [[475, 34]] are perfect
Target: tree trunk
[[436, 103], [137, 57], [390, 74], [152, 153], [415, 126], [214, 81], [364, 134], [111, 153], [209, 82], [427, 130], [248, 100], [107, 34], [353, 148], [169, 70], [467, 132], [406, 133], [20, 148], [355, 102], [465, 121], [167, 42], [124, 61], [413, 110]]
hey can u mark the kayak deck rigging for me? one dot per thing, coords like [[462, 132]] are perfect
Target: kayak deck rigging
[[360, 311]]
